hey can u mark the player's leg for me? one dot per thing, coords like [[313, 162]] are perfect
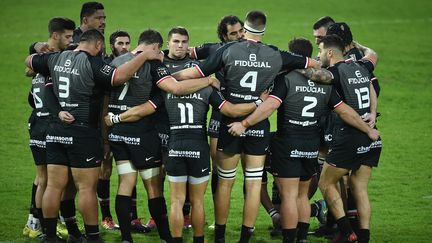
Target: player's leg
[[267, 202], [57, 180], [153, 180], [197, 188], [359, 180], [177, 196], [127, 181], [103, 192], [288, 189], [304, 210], [68, 225], [86, 182], [330, 176]]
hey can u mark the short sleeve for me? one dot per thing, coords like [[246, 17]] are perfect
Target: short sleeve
[[103, 74], [156, 98], [367, 64], [202, 51], [159, 72], [216, 99], [280, 89], [40, 63], [335, 99], [214, 62], [292, 61]]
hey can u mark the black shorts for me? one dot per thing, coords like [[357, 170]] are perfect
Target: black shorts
[[294, 156], [327, 127], [38, 127], [214, 124], [352, 148], [255, 141], [143, 150], [73, 146], [188, 157], [163, 131]]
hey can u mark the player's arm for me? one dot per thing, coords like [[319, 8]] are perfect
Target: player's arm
[[371, 117], [200, 52], [368, 53], [322, 76], [351, 117], [133, 114], [124, 72], [264, 110], [229, 109], [166, 82]]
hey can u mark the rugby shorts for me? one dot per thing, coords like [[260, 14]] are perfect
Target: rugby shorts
[[38, 130]]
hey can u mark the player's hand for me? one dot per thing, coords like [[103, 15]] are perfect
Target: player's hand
[[66, 117], [41, 47], [370, 119], [152, 52], [236, 129], [374, 134], [108, 119], [214, 82], [264, 95]]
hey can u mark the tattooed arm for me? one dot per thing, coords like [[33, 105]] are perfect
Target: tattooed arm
[[322, 76]]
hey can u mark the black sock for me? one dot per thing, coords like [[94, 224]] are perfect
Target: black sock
[[177, 240], [246, 234], [122, 207], [289, 235], [363, 235], [50, 227], [314, 209], [330, 220], [68, 211], [219, 232], [92, 232], [39, 215], [244, 187], [187, 204], [158, 211], [134, 212], [302, 231], [344, 226], [33, 199], [198, 239], [352, 211], [214, 181], [103, 192]]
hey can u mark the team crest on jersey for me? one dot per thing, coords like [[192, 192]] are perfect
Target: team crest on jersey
[[106, 69], [162, 71]]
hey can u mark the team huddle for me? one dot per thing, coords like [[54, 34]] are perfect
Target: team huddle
[[146, 109]]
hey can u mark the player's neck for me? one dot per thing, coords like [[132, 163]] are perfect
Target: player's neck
[[257, 38], [335, 60], [171, 56], [52, 45]]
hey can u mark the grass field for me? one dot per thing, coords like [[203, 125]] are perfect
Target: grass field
[[400, 31]]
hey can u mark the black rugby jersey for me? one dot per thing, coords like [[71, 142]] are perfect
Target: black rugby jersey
[[303, 102], [79, 81]]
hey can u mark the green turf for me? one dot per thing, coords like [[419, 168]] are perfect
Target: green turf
[[400, 31]]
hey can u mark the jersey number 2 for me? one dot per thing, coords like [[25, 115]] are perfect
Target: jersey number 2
[[306, 110]]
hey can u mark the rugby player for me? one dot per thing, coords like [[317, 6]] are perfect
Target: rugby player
[[92, 16]]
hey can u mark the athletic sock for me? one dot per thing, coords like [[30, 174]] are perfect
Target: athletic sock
[[314, 209], [219, 233], [134, 212], [352, 211], [198, 239], [214, 181], [246, 234], [39, 216], [67, 211], [177, 240], [302, 231], [33, 199], [158, 211], [363, 235], [92, 232], [103, 192], [122, 207], [50, 227], [344, 226], [289, 235]]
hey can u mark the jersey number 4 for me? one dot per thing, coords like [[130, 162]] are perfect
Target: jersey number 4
[[183, 108], [249, 80]]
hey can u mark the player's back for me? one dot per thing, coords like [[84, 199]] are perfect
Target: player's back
[[249, 68]]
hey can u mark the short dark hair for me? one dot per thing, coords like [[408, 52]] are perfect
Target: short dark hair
[[333, 41], [222, 29], [92, 35], [60, 24], [150, 37], [342, 30], [178, 30], [301, 46], [90, 8], [118, 33], [324, 21], [256, 19]]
